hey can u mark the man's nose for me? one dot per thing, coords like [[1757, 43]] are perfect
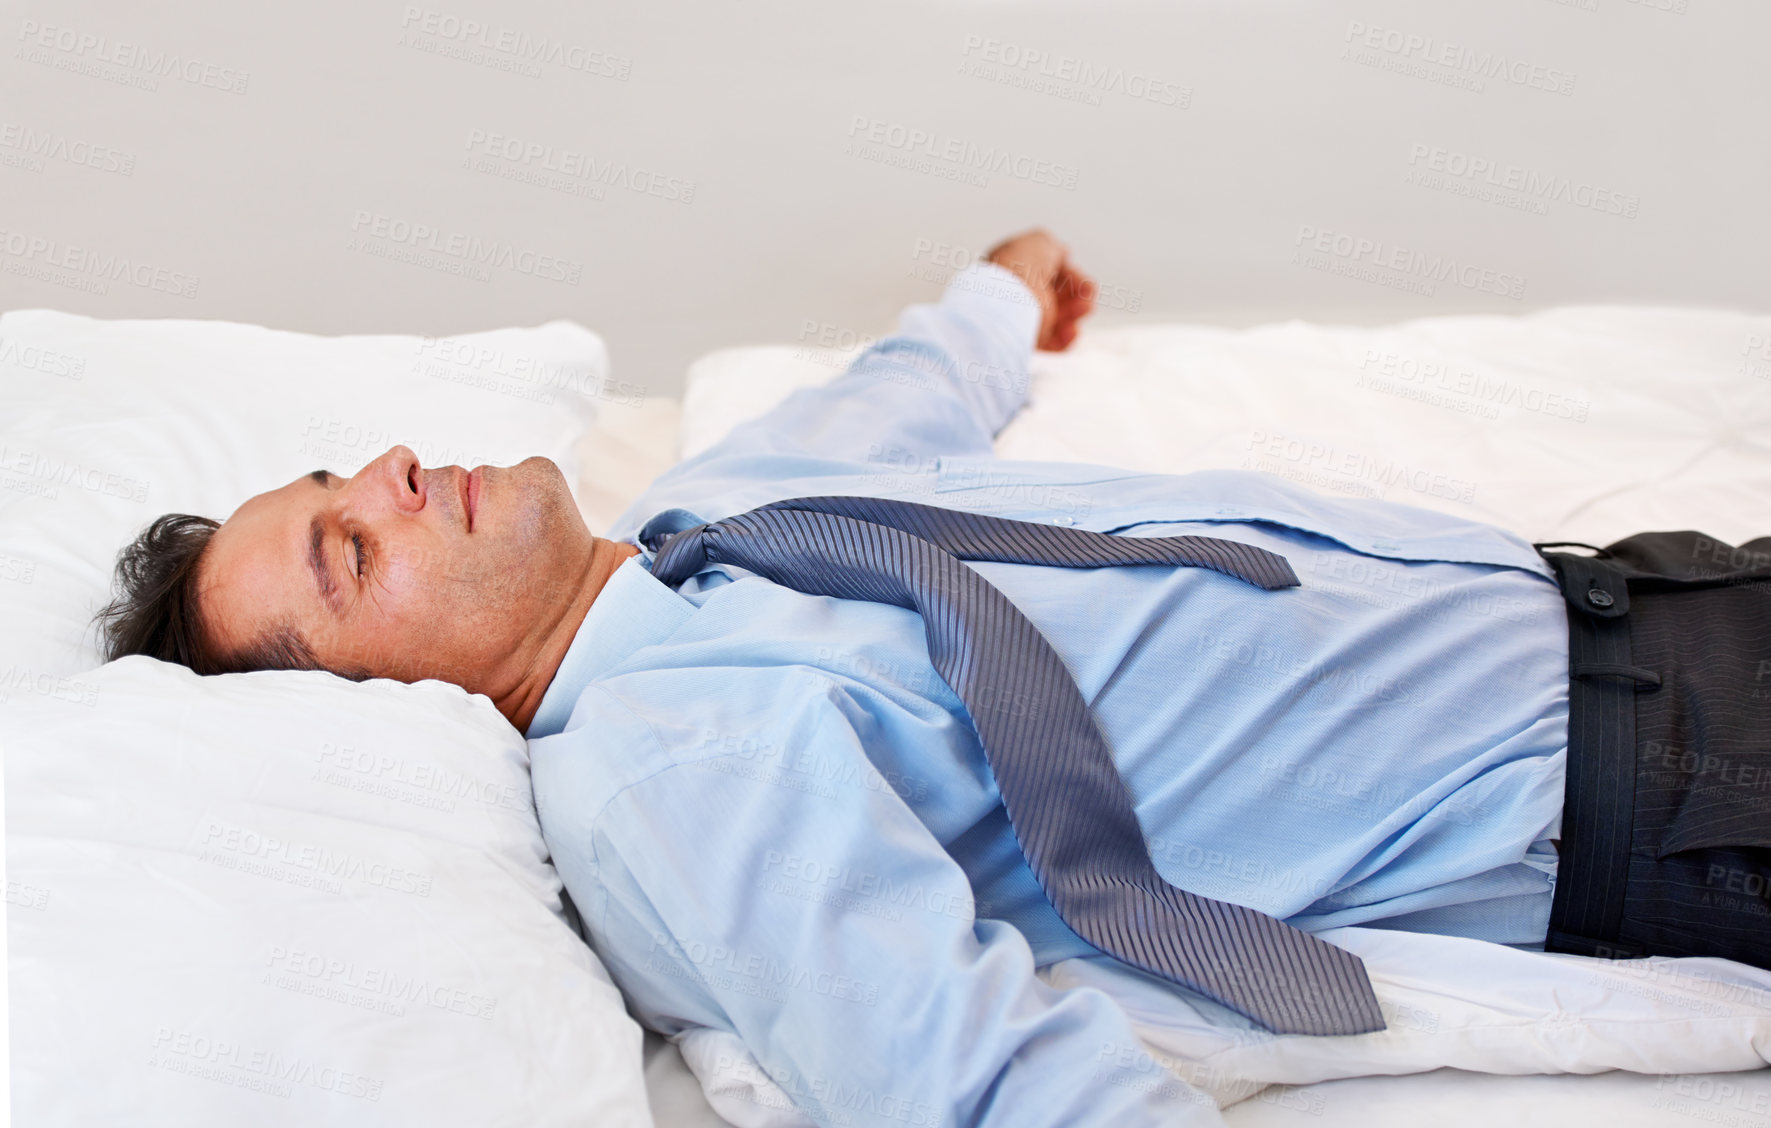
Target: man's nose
[[395, 478]]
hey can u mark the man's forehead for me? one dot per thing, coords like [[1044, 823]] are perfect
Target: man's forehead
[[258, 559], [256, 505]]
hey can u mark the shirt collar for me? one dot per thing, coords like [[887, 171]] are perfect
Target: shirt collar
[[632, 611]]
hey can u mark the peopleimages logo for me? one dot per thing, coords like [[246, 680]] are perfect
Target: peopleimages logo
[[22, 679], [33, 147], [397, 771], [116, 60], [1404, 263], [572, 164], [229, 844], [925, 145], [94, 268], [469, 251], [1330, 466], [443, 33], [1461, 389], [50, 472], [39, 359], [253, 1067], [1466, 62], [1530, 183], [346, 981], [1756, 356], [1067, 76]]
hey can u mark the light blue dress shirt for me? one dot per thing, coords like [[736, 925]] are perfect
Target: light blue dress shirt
[[775, 818]]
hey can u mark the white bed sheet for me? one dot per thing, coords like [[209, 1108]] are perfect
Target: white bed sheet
[[1581, 423], [1449, 1097], [1584, 422]]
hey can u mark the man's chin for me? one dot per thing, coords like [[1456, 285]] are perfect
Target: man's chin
[[536, 471], [547, 473], [536, 493]]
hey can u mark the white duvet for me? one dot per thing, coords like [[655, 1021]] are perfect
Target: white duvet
[[1584, 424]]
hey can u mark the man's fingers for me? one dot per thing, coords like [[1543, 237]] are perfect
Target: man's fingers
[[1075, 293], [1063, 334], [1059, 332], [1075, 290], [1070, 299], [1033, 254], [1065, 294]]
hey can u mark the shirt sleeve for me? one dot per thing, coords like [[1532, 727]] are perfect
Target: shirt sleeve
[[821, 922], [946, 382]]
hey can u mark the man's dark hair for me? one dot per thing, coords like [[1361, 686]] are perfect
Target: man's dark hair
[[156, 611]]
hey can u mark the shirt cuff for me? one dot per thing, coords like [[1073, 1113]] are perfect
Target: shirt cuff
[[999, 290]]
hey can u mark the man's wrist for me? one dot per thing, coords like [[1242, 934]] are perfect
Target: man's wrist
[[1007, 295], [993, 280]]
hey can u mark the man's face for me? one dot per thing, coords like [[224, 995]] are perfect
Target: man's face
[[402, 571]]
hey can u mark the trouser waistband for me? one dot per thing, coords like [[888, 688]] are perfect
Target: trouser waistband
[[1598, 813], [1666, 825]]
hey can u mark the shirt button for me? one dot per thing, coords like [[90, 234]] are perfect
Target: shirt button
[[1064, 520], [1599, 597]]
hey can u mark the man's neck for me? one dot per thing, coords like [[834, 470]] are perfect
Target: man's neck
[[519, 706]]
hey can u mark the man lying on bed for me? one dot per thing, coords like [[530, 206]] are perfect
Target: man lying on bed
[[778, 817]]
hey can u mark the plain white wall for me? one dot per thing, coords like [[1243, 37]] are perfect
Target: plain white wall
[[237, 149]]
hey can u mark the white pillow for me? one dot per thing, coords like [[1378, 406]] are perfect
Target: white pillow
[[288, 899], [105, 425]]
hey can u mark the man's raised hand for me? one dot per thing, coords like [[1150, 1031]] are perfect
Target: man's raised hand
[[1066, 295]]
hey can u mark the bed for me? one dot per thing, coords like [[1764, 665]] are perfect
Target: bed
[[1581, 423]]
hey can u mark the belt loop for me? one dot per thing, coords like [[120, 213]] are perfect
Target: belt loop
[[1644, 678]]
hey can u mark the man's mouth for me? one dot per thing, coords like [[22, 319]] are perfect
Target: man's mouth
[[470, 489]]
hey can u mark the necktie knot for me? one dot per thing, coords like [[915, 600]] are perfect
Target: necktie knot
[[677, 556]]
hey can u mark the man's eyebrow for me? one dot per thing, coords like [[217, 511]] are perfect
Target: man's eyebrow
[[319, 477], [316, 556]]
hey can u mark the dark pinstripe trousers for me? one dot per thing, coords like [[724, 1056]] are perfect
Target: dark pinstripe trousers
[[1666, 827]]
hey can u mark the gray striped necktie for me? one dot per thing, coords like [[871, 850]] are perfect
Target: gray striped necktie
[[1068, 806]]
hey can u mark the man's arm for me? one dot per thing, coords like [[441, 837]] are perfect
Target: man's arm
[[769, 891], [951, 377]]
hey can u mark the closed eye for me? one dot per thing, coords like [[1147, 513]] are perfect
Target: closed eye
[[357, 540]]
